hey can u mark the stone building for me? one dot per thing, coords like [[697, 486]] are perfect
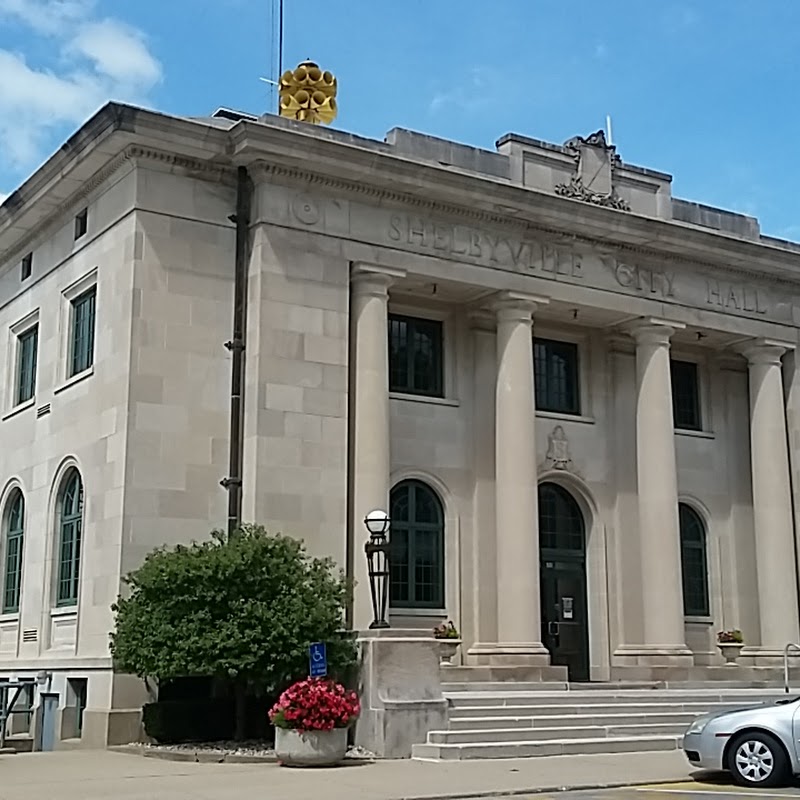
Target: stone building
[[571, 390]]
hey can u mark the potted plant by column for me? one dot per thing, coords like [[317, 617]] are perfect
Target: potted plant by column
[[449, 640], [730, 644], [311, 719]]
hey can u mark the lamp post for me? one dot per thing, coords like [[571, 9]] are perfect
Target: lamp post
[[377, 552]]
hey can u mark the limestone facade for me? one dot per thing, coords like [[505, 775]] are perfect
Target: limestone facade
[[488, 263]]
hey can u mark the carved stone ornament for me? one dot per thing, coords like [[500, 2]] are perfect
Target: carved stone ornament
[[578, 191], [558, 456], [596, 139], [593, 181]]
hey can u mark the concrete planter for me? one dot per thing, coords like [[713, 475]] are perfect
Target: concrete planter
[[447, 650], [310, 748], [730, 651]]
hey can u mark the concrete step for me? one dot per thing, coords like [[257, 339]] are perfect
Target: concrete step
[[521, 720], [532, 749], [479, 697], [561, 720], [584, 689], [555, 677], [566, 733], [503, 686], [561, 710]]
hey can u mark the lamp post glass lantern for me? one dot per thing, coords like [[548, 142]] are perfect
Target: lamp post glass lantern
[[377, 552]]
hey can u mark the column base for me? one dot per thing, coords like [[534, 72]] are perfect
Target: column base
[[766, 656], [509, 654], [653, 655]]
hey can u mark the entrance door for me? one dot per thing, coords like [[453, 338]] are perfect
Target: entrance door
[[565, 628]]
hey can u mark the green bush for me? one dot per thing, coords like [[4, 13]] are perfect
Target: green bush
[[173, 722], [241, 610]]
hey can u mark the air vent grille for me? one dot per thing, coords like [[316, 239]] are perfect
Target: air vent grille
[[30, 635], [43, 410]]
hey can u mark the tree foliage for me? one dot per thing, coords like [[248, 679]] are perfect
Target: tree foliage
[[242, 609]]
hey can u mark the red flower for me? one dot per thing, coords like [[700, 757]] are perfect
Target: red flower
[[315, 705]]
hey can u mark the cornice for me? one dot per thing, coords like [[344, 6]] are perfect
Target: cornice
[[209, 170], [308, 178], [73, 204], [132, 155]]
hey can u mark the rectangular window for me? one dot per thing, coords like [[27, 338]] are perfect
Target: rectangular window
[[83, 321], [685, 395], [78, 689], [555, 366], [415, 356], [27, 352], [27, 266], [81, 223]]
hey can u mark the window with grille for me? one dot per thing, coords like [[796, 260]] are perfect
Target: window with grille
[[15, 530], [83, 322], [27, 352], [416, 557], [415, 356], [555, 366], [685, 395], [694, 562], [69, 540], [561, 524]]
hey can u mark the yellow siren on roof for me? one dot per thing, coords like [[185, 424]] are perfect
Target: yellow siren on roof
[[308, 94]]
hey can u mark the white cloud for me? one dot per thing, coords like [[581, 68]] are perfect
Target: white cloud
[[477, 92], [118, 51], [96, 60], [46, 16]]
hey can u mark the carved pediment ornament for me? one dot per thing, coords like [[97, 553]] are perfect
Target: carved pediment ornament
[[592, 168], [558, 456], [576, 190]]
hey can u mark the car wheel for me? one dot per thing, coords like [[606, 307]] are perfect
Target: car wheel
[[756, 759]]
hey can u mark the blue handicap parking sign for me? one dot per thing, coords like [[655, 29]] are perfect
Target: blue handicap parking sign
[[318, 660]]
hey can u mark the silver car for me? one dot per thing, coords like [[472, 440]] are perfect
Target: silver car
[[757, 745]]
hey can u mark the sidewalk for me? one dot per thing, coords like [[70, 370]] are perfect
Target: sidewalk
[[100, 775]]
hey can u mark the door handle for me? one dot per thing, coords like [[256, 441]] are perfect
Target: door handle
[[553, 628]]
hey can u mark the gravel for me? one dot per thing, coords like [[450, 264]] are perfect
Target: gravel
[[258, 749]]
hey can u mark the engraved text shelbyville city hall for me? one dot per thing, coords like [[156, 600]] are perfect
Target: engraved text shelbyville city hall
[[565, 262]]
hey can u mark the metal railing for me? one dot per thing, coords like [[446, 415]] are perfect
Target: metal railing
[[10, 692], [786, 652]]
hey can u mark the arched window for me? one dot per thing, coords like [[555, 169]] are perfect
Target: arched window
[[15, 529], [70, 523], [417, 547], [694, 562], [560, 520]]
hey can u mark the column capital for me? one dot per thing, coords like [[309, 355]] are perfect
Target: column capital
[[653, 330], [373, 281], [517, 306], [482, 319], [764, 351]]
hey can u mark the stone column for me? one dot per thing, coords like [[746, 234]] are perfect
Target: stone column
[[772, 502], [516, 511], [657, 484], [369, 419], [484, 540]]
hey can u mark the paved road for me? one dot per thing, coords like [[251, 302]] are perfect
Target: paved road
[[717, 788]]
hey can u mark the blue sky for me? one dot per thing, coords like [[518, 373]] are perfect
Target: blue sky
[[702, 89]]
